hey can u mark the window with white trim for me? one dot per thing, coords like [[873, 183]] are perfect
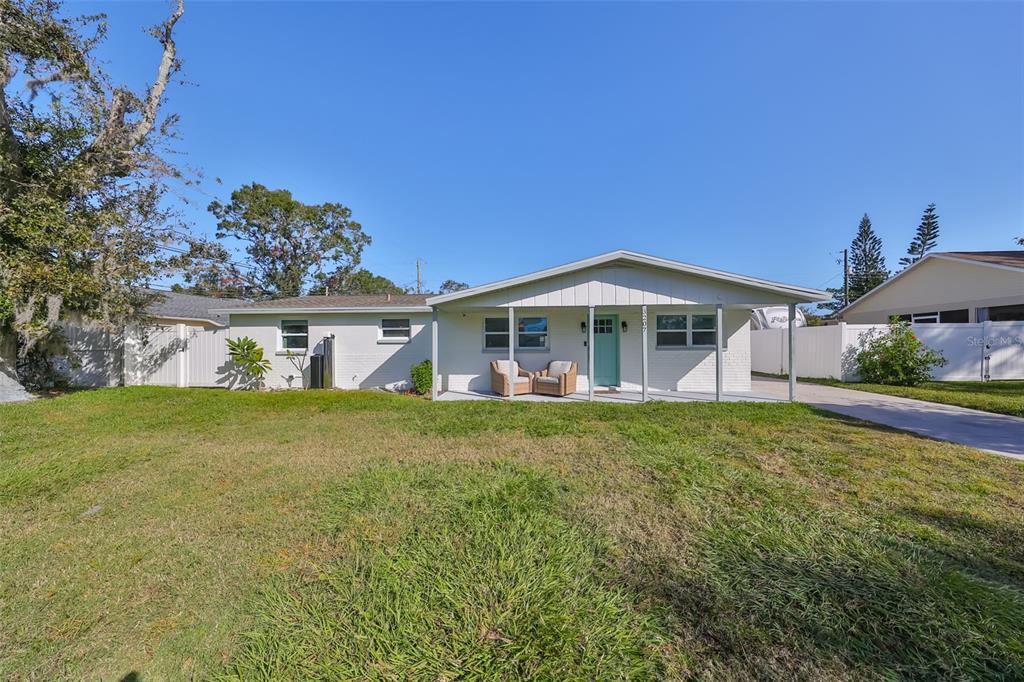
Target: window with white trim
[[685, 331], [294, 335], [395, 329]]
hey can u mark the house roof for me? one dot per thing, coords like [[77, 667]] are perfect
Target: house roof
[[176, 306], [352, 303], [1013, 260], [1010, 259], [798, 292]]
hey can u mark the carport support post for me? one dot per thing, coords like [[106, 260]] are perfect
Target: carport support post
[[719, 335], [435, 374], [792, 352], [590, 353], [511, 351], [644, 377]]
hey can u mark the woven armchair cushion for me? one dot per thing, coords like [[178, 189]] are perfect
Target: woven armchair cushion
[[558, 368], [503, 367], [547, 380]]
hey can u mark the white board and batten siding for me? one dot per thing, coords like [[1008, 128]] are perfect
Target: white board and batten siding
[[993, 350], [620, 286]]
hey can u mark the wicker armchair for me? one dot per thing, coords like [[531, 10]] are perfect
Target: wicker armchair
[[499, 378], [558, 379]]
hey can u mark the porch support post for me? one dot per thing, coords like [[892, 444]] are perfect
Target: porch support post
[[792, 352], [644, 377], [436, 375], [511, 351], [590, 353], [719, 336]]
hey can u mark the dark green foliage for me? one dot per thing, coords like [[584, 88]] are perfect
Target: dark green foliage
[[897, 358], [450, 286], [289, 244], [422, 377], [926, 239], [867, 266], [362, 281]]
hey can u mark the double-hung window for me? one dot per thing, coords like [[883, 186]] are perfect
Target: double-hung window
[[395, 330], [496, 333], [685, 331], [294, 335]]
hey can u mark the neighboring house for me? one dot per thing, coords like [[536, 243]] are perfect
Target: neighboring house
[[954, 286], [690, 316]]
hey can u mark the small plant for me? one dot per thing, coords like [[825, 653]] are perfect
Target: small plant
[[897, 357], [422, 377], [248, 358]]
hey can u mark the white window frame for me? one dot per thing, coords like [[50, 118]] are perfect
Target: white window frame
[[282, 334], [519, 349], [381, 338], [690, 345]]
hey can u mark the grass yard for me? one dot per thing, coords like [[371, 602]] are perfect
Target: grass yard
[[1003, 397], [181, 533]]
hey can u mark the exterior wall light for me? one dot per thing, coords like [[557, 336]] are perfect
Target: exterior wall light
[[625, 327]]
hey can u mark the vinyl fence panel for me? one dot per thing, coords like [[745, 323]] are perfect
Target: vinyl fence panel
[[993, 350]]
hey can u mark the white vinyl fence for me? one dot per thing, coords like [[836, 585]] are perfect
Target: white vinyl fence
[[176, 355], [975, 352]]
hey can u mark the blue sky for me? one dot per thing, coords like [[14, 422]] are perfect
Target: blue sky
[[496, 138]]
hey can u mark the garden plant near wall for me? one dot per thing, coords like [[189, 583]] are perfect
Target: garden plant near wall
[[248, 359], [897, 357]]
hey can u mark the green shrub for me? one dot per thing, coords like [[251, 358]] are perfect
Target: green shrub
[[422, 377], [248, 358], [897, 357]]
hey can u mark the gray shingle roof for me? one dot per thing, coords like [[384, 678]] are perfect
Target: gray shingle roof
[[354, 301], [191, 307], [1010, 259]]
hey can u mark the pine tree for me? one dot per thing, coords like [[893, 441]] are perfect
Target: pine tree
[[925, 240], [867, 267], [867, 264]]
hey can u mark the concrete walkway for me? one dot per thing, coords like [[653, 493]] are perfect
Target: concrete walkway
[[1001, 434]]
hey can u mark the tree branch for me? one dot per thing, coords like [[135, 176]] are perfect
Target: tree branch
[[168, 64]]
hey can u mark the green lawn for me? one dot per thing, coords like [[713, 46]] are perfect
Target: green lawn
[[198, 533], [1004, 397]]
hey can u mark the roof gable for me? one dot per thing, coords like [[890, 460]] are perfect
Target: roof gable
[[627, 278], [978, 262]]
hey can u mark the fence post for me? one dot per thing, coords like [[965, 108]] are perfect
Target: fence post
[[182, 355], [986, 350]]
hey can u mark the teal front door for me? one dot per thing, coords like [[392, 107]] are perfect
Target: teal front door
[[606, 350]]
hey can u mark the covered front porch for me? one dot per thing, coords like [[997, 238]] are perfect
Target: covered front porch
[[632, 327]]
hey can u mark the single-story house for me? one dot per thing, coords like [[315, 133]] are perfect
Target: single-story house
[[953, 286], [630, 322]]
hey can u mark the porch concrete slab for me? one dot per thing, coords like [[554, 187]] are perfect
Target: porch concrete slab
[[997, 433], [624, 397]]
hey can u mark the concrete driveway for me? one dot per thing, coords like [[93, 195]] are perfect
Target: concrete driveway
[[1001, 434]]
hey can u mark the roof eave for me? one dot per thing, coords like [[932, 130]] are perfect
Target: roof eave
[[810, 295], [349, 309]]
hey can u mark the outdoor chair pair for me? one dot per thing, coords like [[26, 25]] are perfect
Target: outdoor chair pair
[[558, 378]]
